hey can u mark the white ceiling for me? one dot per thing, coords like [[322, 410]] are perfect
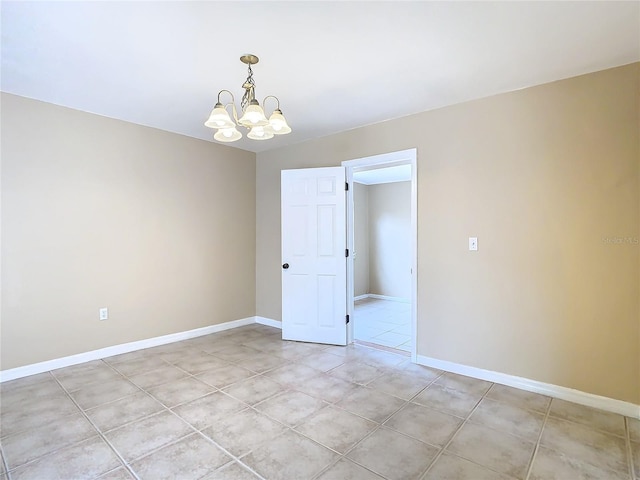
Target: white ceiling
[[334, 65]]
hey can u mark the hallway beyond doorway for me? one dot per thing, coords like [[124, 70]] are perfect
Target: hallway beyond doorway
[[383, 322]]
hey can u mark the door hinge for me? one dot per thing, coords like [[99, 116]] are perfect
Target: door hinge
[[346, 252], [346, 186], [347, 318]]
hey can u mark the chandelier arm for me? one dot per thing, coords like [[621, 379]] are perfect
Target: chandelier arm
[[233, 105], [233, 99], [264, 102]]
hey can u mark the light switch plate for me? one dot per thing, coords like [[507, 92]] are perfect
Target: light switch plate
[[473, 243]]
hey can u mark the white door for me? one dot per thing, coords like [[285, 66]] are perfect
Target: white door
[[314, 264]]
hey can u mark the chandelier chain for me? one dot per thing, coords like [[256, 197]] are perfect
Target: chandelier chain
[[249, 86]]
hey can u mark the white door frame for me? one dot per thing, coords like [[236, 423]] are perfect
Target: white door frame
[[403, 157]]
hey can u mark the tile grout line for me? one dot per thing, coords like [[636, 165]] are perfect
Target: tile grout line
[[629, 449], [177, 440], [374, 430], [7, 472], [208, 439], [17, 432], [377, 428], [247, 406], [126, 464], [594, 429], [4, 463], [416, 438], [187, 375], [353, 447], [143, 417], [367, 385], [341, 455], [446, 445], [537, 446], [235, 460], [340, 458], [378, 425], [123, 377], [100, 434], [383, 426], [238, 459], [261, 444], [287, 388], [167, 408]]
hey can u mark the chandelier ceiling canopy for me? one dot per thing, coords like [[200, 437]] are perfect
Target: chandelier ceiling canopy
[[253, 117]]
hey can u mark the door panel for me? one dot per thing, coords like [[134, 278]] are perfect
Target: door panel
[[314, 286]]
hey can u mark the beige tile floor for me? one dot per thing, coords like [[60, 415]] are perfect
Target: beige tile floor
[[243, 404], [384, 322]]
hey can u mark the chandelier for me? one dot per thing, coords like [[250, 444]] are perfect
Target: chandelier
[[253, 117]]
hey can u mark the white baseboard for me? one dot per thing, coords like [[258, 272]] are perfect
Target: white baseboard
[[596, 401], [583, 398], [269, 322], [361, 297], [19, 372], [386, 297]]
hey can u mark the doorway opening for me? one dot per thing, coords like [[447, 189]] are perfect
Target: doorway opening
[[382, 235]]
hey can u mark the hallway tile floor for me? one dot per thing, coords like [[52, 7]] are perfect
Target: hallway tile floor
[[383, 322], [243, 404]]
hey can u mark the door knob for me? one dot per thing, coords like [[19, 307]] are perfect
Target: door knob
[[285, 266]]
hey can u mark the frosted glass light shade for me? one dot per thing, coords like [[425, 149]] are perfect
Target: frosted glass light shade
[[219, 118], [278, 123], [228, 135], [260, 133], [253, 116]]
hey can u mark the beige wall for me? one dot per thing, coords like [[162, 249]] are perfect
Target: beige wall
[[541, 176], [361, 239], [158, 227], [390, 239]]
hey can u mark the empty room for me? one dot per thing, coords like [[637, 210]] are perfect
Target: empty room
[[320, 240]]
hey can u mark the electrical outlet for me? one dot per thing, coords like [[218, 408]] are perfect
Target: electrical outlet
[[473, 243], [104, 313]]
